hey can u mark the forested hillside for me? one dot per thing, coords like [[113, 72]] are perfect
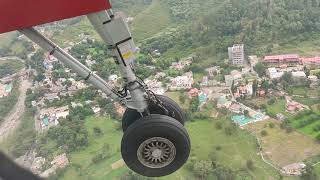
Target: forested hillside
[[260, 24]]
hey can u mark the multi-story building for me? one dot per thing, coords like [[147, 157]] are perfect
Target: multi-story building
[[278, 60], [236, 54]]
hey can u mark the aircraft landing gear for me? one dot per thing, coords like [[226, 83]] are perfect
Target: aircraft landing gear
[[131, 115], [155, 145]]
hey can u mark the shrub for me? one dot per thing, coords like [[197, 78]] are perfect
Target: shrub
[[271, 125], [250, 164], [218, 125], [264, 133]]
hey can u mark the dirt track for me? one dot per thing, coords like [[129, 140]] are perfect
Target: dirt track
[[11, 122]]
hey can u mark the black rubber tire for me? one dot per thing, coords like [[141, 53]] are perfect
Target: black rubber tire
[[155, 126], [131, 115]]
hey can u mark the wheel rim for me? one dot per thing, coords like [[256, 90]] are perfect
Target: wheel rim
[[156, 152]]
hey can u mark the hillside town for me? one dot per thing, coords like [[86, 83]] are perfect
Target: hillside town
[[244, 89]]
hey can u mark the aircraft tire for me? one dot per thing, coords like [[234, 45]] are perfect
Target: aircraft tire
[[131, 115], [155, 146]]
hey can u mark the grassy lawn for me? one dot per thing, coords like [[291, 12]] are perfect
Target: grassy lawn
[[83, 159], [175, 96], [10, 67], [6, 39], [71, 33], [278, 107], [306, 128], [284, 148], [152, 20], [308, 92], [236, 150]]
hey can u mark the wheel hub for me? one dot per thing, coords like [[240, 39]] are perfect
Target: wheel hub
[[156, 152]]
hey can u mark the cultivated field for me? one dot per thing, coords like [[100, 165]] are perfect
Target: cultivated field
[[284, 148]]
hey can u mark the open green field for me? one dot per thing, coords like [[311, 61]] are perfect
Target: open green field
[[306, 124], [236, 149], [10, 67], [72, 32], [304, 91], [6, 39], [284, 148], [151, 21], [278, 107]]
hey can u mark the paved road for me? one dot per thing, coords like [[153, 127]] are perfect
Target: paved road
[[12, 121]]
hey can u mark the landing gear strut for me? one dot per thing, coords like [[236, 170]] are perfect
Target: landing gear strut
[[155, 143]]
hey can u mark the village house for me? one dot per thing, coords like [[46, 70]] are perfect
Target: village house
[[96, 109], [234, 77], [193, 93], [223, 102], [51, 96], [156, 53], [310, 62], [155, 86], [235, 108], [113, 78], [59, 162], [212, 71], [5, 90], [273, 73], [183, 82], [182, 64], [50, 117], [205, 81], [293, 106], [160, 75], [244, 90], [253, 60], [278, 60], [295, 169], [314, 81]]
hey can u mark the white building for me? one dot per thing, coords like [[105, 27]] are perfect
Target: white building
[[182, 82], [299, 74], [155, 86], [235, 76], [273, 73], [295, 169], [236, 54], [253, 60]]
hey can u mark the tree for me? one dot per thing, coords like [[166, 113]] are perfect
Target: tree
[[309, 173], [194, 104], [264, 133], [287, 77], [203, 168], [218, 125], [271, 125], [97, 131], [246, 113], [250, 164], [182, 98], [228, 131], [260, 68]]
